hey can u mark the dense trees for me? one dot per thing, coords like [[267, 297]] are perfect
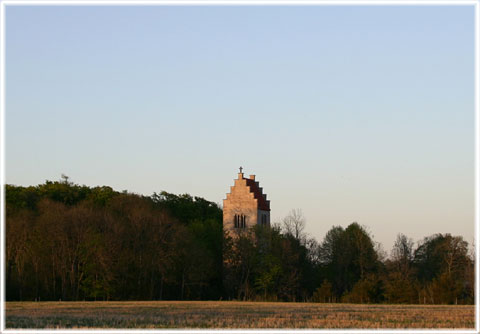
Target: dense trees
[[444, 270], [400, 280], [71, 242], [351, 264]]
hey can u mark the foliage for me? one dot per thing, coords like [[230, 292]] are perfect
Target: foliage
[[323, 294], [347, 257], [444, 269], [70, 242]]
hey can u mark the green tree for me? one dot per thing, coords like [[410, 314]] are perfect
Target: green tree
[[400, 281], [323, 294], [347, 256], [441, 262]]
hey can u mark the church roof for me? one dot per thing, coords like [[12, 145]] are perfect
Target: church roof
[[263, 204]]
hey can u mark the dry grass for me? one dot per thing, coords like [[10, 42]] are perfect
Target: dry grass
[[168, 314]]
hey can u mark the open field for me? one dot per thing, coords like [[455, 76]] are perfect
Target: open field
[[168, 314]]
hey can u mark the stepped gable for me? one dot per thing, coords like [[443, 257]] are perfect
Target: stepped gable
[[245, 206], [263, 204]]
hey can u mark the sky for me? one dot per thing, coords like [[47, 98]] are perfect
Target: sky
[[350, 113]]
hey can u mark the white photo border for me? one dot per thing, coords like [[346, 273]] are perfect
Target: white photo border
[[4, 3]]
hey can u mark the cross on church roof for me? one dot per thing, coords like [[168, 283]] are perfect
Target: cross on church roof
[[241, 168]]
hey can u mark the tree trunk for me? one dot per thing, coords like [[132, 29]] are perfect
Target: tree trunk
[[161, 288], [183, 283]]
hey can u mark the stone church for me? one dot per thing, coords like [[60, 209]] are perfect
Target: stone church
[[245, 205]]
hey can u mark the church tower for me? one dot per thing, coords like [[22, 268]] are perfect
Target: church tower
[[245, 205]]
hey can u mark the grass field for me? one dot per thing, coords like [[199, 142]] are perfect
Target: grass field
[[167, 314]]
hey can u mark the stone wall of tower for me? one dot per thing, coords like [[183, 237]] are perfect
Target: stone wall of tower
[[260, 213], [240, 201]]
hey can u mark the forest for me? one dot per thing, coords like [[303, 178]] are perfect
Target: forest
[[70, 242]]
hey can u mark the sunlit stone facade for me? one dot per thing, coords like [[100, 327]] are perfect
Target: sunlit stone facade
[[245, 206]]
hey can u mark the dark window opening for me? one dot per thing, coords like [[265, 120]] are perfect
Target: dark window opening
[[240, 221]]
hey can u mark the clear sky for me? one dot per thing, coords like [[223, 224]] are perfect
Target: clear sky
[[350, 113]]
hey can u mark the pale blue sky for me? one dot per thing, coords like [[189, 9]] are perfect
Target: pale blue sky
[[351, 113]]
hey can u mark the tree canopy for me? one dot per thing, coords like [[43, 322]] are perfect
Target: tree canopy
[[70, 242]]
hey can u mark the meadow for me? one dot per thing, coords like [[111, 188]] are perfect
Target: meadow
[[226, 314]]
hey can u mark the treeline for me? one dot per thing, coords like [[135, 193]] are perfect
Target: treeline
[[70, 242], [279, 263]]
